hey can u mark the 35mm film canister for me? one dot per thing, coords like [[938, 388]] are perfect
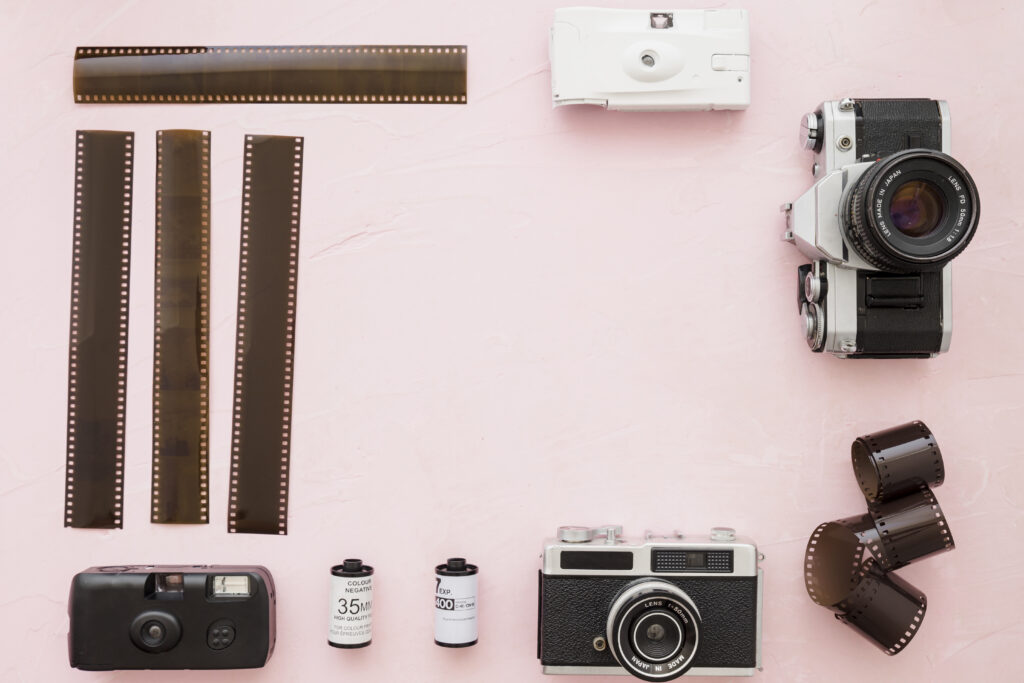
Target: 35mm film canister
[[350, 623], [455, 603]]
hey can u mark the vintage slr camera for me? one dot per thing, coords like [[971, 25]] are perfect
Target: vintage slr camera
[[657, 609], [171, 617], [888, 212]]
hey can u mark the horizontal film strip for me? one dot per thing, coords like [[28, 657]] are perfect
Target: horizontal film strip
[[181, 335], [356, 74], [98, 344], [904, 523], [265, 343]]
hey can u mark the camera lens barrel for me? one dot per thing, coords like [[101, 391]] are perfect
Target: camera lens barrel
[[653, 630], [911, 211]]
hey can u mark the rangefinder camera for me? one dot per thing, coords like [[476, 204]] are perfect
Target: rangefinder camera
[[171, 617], [657, 608], [889, 210], [651, 60]]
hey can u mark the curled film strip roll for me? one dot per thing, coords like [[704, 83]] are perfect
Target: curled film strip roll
[[904, 523], [98, 344], [181, 335], [264, 351], [355, 74]]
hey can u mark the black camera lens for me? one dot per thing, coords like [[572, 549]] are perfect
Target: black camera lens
[[652, 630], [155, 631], [911, 211], [657, 635]]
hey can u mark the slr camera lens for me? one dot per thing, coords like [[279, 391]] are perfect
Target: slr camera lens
[[653, 630], [911, 211]]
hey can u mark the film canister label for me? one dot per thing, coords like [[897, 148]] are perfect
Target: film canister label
[[455, 603], [350, 622]]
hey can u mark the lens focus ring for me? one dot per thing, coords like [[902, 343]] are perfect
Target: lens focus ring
[[914, 210]]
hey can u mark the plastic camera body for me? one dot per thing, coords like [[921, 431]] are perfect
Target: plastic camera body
[[651, 60], [171, 617]]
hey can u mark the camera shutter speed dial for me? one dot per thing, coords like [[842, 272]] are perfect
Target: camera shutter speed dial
[[575, 534]]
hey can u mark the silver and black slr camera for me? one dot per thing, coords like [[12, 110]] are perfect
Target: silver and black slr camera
[[171, 617], [888, 211], [656, 608]]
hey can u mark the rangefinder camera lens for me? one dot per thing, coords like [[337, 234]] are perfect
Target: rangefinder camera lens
[[652, 629]]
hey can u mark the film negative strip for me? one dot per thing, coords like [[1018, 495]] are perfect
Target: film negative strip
[[355, 74], [904, 523], [98, 345], [181, 334], [264, 352]]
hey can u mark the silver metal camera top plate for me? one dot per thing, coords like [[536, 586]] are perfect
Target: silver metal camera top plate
[[745, 555]]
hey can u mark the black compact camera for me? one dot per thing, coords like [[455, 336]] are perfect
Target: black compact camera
[[656, 608], [888, 211], [171, 617]]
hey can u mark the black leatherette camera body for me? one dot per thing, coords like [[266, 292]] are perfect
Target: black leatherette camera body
[[574, 610]]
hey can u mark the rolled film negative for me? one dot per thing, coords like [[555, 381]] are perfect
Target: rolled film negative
[[98, 344], [389, 74], [181, 335], [265, 343], [904, 523]]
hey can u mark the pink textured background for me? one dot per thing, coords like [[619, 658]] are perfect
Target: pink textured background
[[512, 318]]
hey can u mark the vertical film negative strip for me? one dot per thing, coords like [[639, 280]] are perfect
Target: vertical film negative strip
[[265, 343], [904, 523], [353, 74], [181, 335], [98, 345]]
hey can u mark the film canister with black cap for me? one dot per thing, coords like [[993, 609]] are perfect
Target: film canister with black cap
[[350, 623], [455, 603]]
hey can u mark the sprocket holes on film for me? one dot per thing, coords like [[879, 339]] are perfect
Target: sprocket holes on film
[[895, 469]]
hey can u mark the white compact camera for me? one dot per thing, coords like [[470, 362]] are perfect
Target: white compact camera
[[651, 60]]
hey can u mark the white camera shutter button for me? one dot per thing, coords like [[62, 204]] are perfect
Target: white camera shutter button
[[575, 534], [723, 533]]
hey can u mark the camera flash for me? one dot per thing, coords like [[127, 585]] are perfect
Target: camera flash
[[231, 586]]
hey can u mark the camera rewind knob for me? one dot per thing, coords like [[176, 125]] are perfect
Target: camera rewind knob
[[809, 133]]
